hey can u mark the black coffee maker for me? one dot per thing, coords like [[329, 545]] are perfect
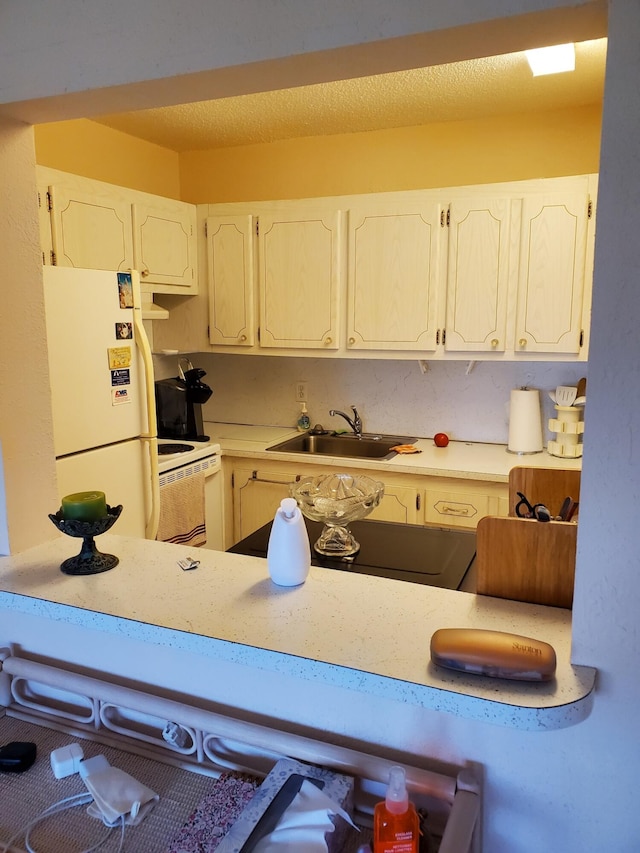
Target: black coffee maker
[[179, 405]]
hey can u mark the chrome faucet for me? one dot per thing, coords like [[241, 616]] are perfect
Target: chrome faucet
[[355, 423]]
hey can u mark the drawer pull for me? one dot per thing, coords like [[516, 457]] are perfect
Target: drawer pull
[[455, 510]]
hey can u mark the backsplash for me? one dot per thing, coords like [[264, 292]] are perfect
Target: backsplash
[[391, 396]]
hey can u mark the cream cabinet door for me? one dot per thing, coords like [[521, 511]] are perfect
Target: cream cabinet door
[[256, 497], [393, 272], [551, 285], [399, 504], [478, 275], [231, 280], [91, 230], [164, 245], [299, 275]]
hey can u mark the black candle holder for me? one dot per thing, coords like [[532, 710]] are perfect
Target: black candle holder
[[89, 561]]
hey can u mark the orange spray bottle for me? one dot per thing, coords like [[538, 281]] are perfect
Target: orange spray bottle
[[395, 821]]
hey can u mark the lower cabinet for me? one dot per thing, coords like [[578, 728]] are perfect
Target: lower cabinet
[[256, 492]]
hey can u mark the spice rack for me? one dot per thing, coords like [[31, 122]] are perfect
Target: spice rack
[[568, 427]]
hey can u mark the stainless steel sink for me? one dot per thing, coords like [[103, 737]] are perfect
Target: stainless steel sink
[[368, 446]]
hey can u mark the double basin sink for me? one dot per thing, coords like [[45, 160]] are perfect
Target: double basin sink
[[366, 446]]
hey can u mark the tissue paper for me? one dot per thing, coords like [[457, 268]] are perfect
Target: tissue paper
[[289, 786]]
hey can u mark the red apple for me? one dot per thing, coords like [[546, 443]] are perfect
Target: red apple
[[441, 439]]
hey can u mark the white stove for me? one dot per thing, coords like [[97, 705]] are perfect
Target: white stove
[[178, 453]]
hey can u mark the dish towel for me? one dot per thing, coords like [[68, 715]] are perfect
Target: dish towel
[[182, 511]]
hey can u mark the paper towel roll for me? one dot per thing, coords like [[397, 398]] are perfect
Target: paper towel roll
[[525, 421]]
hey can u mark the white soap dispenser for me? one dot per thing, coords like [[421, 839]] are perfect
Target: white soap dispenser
[[288, 552]]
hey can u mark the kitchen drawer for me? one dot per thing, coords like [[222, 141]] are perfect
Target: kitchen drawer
[[457, 508]]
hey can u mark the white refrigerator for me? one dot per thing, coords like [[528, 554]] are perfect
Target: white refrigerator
[[101, 374]]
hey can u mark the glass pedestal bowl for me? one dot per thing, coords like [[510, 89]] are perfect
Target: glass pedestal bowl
[[336, 500]]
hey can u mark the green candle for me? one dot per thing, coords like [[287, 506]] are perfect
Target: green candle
[[84, 506]]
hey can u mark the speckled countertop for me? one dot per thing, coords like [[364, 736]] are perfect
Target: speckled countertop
[[460, 459], [366, 634]]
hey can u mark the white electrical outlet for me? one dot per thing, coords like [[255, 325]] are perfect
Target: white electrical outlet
[[301, 392]]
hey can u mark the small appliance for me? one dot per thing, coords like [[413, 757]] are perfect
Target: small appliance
[[179, 405]]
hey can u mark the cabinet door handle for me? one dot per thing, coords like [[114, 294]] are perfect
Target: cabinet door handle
[[243, 338], [494, 343], [352, 341], [255, 476], [522, 342], [328, 341], [144, 273]]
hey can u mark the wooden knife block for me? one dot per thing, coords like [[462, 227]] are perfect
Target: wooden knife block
[[526, 560]]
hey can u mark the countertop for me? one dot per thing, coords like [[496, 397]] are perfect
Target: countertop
[[463, 460], [366, 634]]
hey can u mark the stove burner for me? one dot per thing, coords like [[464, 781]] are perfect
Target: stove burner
[[168, 449]]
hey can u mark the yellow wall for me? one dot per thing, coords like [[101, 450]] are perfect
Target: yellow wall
[[509, 148], [92, 150]]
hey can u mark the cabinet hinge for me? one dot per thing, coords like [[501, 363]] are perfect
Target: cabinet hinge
[[581, 337], [49, 202], [418, 501], [258, 334], [206, 234], [233, 479], [54, 260], [590, 209], [443, 218], [437, 337], [444, 337], [257, 227]]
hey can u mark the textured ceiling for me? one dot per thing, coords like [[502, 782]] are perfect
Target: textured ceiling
[[463, 90]]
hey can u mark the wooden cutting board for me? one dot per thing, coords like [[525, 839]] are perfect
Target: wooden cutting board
[[526, 560]]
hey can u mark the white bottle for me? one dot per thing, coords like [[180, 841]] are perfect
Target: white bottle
[[288, 552]]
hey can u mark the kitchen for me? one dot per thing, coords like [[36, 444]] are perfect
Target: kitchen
[[570, 739], [420, 390]]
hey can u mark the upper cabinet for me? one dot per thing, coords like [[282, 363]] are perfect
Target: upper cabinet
[[164, 244], [90, 229], [289, 263], [230, 254], [394, 263], [95, 225], [553, 273], [479, 275], [300, 259]]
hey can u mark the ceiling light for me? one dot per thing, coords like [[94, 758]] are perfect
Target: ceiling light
[[552, 60]]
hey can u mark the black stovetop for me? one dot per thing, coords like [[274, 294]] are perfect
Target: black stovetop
[[406, 552]]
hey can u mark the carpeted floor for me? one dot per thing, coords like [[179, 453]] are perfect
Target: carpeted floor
[[23, 796]]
